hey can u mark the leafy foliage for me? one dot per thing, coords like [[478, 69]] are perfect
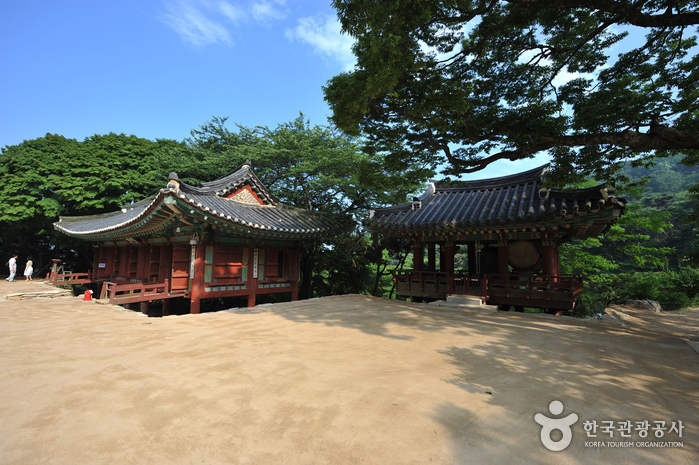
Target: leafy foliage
[[51, 176], [671, 289], [650, 240], [479, 81]]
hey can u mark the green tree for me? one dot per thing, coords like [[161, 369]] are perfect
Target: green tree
[[483, 81], [44, 178], [317, 168]]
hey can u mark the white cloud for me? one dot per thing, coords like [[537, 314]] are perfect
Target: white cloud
[[233, 13], [265, 11], [202, 22], [324, 34], [198, 21]]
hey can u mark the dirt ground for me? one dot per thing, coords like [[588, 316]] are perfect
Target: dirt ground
[[339, 380]]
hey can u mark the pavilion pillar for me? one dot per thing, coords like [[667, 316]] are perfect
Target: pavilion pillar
[[144, 308], [503, 262], [471, 258], [143, 262], [417, 257], [197, 277], [165, 270], [549, 257], [447, 264], [431, 257], [252, 286], [449, 254], [167, 307], [557, 259]]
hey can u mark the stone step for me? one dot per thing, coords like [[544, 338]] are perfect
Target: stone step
[[465, 299], [39, 294], [471, 308]]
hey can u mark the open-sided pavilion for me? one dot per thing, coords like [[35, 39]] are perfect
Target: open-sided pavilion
[[512, 228]]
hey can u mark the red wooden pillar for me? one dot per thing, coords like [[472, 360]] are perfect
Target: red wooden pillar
[[144, 308], [165, 271], [449, 254], [252, 282], [417, 257], [431, 257], [503, 262], [549, 256], [448, 264], [143, 262], [472, 258], [109, 259], [197, 277]]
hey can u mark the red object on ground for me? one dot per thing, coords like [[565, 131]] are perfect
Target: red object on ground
[[88, 295]]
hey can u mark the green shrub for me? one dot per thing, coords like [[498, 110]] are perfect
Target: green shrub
[[687, 281], [589, 304], [674, 300], [673, 290]]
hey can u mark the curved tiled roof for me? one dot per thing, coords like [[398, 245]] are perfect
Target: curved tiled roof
[[272, 218], [513, 199]]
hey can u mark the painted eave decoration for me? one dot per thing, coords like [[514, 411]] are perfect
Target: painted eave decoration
[[238, 204]]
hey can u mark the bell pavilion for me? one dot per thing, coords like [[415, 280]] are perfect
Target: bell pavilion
[[228, 238], [511, 227]]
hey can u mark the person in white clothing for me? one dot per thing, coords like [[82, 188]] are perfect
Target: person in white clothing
[[13, 268], [29, 269]]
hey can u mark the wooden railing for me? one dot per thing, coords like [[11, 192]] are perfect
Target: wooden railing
[[465, 284], [431, 284], [68, 277], [558, 292], [118, 293], [536, 291]]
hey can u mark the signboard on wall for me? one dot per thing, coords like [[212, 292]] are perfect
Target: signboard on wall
[[191, 261], [255, 258]]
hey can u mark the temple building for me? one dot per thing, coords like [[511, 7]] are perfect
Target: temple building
[[512, 228], [228, 238]]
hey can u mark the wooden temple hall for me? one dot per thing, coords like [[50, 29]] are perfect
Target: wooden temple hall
[[228, 238], [511, 228]]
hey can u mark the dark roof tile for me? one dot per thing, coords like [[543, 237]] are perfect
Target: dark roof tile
[[511, 199]]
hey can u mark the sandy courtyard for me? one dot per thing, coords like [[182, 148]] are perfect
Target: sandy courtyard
[[339, 380]]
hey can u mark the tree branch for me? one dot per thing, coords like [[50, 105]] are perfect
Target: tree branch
[[664, 138], [633, 15]]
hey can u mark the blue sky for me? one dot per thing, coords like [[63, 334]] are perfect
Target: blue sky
[[159, 68]]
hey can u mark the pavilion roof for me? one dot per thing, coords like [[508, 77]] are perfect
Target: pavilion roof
[[238, 202], [506, 201]]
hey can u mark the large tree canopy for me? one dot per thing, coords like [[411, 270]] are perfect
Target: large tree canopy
[[483, 80], [52, 175]]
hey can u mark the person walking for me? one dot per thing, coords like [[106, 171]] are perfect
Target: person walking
[[29, 270], [13, 268]]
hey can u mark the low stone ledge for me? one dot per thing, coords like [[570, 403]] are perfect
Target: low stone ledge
[[651, 305], [39, 295]]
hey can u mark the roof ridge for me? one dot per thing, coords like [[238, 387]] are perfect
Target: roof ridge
[[531, 175]]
